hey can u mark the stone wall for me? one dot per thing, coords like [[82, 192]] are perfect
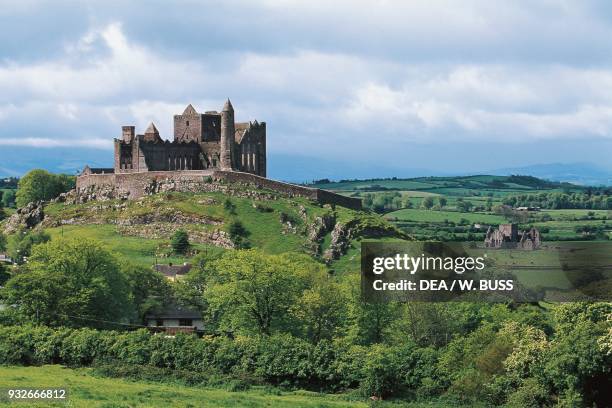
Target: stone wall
[[291, 190], [135, 185]]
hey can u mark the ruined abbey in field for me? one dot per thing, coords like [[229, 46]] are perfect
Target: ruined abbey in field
[[207, 147]]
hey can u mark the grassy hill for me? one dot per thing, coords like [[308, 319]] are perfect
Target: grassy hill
[[140, 230]]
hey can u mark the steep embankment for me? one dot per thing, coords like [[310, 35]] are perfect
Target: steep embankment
[[140, 230]]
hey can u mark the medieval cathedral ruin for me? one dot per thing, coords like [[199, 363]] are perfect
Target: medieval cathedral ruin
[[208, 148], [210, 140], [507, 236]]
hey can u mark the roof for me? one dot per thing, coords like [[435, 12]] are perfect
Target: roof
[[152, 129], [172, 270], [190, 110], [174, 312], [228, 106], [241, 129]]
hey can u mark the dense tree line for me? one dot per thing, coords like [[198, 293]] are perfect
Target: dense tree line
[[519, 359], [558, 201], [9, 182], [285, 320]]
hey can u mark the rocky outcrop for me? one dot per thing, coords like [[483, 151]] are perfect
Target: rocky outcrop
[[340, 241], [317, 230], [25, 218], [172, 217], [342, 235], [91, 193], [165, 231], [321, 226]]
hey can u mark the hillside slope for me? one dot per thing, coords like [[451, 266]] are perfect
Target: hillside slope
[[140, 230]]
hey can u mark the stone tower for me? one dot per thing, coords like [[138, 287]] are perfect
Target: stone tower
[[228, 131]]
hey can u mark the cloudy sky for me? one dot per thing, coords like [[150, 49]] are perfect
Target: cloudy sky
[[347, 88]]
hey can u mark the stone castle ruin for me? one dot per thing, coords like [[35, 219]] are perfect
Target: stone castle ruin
[[202, 141], [207, 147], [507, 236]]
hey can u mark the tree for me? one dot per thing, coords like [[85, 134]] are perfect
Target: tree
[[8, 198], [190, 290], [369, 322], [150, 290], [4, 274], [20, 244], [321, 310], [464, 206], [238, 234], [70, 282], [427, 203], [2, 242], [180, 242], [42, 185], [442, 201], [253, 291]]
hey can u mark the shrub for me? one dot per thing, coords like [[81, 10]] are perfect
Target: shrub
[[238, 234], [530, 395], [229, 206], [83, 347], [180, 242]]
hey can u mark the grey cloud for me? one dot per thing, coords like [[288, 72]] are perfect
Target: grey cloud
[[338, 79]]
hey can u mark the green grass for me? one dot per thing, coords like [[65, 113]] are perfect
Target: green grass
[[85, 390], [573, 213], [408, 214], [137, 250], [260, 217]]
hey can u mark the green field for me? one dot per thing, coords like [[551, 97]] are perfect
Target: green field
[[86, 390], [408, 214], [498, 185], [402, 204]]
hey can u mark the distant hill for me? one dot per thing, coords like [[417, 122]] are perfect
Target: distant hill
[[18, 160], [449, 184], [576, 173]]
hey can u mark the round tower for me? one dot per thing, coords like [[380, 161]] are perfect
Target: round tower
[[228, 131]]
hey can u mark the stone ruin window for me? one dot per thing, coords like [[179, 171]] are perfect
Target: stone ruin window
[[187, 122]]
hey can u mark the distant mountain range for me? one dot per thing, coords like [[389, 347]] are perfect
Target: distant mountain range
[[16, 161]]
